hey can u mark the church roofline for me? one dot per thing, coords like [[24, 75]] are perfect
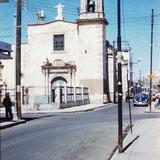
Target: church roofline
[[46, 23]]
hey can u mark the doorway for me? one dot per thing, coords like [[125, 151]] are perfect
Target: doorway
[[60, 81]]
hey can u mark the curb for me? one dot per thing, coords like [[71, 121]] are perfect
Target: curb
[[152, 111], [70, 110], [129, 137], [5, 125]]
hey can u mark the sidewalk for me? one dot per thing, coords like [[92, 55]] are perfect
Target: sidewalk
[[153, 109], [146, 142], [6, 124]]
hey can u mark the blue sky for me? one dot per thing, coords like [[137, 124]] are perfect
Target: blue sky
[[136, 24]]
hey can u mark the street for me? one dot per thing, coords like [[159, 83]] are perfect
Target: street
[[88, 135]]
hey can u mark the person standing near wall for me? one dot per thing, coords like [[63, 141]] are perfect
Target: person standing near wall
[[8, 106]]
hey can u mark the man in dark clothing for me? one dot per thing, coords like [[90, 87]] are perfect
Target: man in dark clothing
[[8, 104]]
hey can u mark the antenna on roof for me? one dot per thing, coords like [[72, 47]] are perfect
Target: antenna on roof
[[41, 16]]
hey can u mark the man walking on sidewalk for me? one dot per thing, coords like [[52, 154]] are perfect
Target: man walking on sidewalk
[[8, 104], [158, 103]]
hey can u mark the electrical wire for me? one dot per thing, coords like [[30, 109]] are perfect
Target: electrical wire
[[30, 8]]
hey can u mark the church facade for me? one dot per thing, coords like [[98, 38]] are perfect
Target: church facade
[[67, 53]]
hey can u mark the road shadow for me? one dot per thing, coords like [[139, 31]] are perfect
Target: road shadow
[[128, 145]]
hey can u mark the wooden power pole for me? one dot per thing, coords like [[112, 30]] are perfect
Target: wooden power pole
[[119, 83], [151, 56], [18, 59]]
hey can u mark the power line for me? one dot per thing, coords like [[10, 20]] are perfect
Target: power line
[[124, 24], [6, 16]]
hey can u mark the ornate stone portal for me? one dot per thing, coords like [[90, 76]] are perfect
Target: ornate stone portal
[[59, 69]]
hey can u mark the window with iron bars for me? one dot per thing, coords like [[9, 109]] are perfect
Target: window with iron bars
[[58, 42]]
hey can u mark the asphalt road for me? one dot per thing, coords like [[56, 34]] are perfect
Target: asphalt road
[[88, 135]]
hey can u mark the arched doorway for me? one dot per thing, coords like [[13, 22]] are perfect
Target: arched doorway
[[57, 81]]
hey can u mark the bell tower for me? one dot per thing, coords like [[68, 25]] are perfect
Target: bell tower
[[92, 49], [91, 9]]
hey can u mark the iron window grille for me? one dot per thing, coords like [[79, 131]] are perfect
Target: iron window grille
[[58, 42]]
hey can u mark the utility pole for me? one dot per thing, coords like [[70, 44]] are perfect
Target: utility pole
[[15, 118], [129, 103], [18, 59], [152, 23], [140, 75], [114, 73], [119, 59]]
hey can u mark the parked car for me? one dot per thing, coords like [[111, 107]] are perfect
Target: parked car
[[141, 99]]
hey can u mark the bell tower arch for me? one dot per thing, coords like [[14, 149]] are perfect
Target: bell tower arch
[[91, 9]]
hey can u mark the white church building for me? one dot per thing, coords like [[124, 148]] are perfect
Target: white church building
[[64, 53]]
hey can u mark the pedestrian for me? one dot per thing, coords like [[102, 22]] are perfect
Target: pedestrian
[[8, 106], [158, 104], [158, 100]]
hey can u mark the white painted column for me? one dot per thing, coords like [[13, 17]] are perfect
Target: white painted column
[[65, 94], [45, 84], [100, 6], [71, 79], [57, 95], [74, 92], [48, 85], [83, 6], [82, 94], [74, 76]]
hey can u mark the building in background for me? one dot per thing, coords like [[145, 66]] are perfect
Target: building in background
[[155, 82], [5, 54], [127, 72], [5, 50]]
